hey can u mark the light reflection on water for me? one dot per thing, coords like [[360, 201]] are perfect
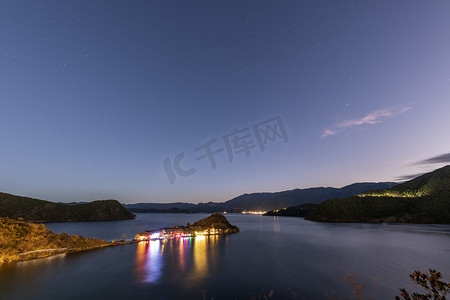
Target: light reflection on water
[[276, 224], [191, 257], [281, 254], [200, 267], [204, 249], [149, 261]]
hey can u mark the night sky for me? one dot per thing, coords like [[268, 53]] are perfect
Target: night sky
[[195, 101]]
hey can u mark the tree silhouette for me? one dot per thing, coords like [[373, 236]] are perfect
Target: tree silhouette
[[435, 288]]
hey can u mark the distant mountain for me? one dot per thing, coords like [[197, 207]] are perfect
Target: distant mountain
[[45, 211], [271, 201], [177, 207], [425, 199], [263, 201], [172, 210], [161, 206], [73, 203]]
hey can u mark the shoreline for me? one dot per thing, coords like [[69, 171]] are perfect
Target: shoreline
[[45, 253]]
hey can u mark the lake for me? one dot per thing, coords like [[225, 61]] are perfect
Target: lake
[[289, 258]]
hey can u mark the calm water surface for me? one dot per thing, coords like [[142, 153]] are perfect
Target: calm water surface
[[294, 258]]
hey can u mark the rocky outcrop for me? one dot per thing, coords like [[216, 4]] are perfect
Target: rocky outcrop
[[217, 221]]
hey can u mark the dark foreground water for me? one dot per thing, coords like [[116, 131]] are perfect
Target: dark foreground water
[[290, 257]]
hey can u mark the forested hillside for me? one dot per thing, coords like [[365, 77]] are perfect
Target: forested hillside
[[425, 199], [45, 211]]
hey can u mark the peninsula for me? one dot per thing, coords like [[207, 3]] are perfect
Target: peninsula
[[20, 241], [215, 224]]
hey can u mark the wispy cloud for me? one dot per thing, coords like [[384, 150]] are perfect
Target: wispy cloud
[[371, 119], [408, 177], [439, 159], [328, 132]]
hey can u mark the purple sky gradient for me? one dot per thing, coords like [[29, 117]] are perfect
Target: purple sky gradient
[[94, 95]]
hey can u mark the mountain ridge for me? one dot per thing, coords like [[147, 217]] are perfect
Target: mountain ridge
[[425, 199], [36, 210], [264, 201]]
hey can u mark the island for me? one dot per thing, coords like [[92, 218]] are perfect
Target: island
[[215, 224]]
